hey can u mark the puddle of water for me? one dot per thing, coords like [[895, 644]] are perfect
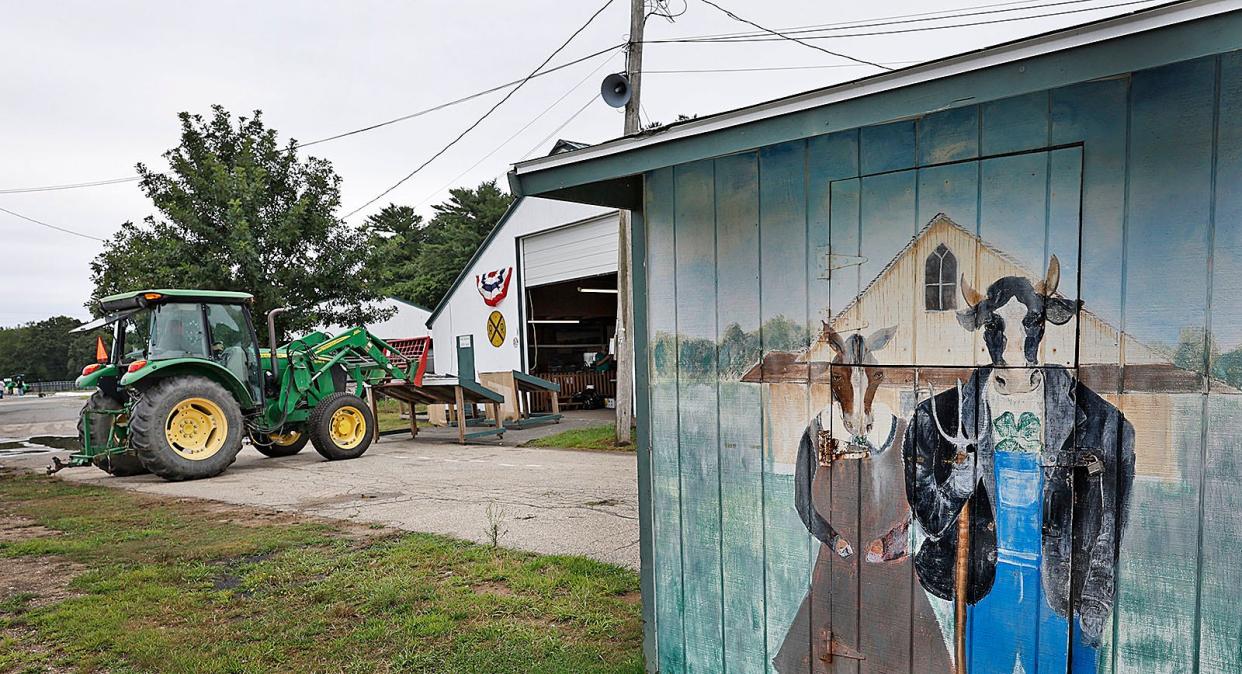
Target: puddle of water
[[57, 442], [41, 444]]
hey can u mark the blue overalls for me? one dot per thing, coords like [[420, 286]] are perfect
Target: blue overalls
[[1013, 630]]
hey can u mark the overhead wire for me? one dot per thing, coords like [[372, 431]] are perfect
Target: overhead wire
[[770, 68], [70, 186], [519, 132], [371, 127], [564, 124], [782, 34], [921, 29], [463, 99], [923, 17], [894, 17], [485, 115], [50, 226], [735, 17]]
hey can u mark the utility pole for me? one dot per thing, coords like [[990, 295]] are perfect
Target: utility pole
[[625, 273]]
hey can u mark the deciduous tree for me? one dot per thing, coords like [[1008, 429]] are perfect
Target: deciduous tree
[[238, 211]]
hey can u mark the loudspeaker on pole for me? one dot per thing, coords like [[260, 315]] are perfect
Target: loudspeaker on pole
[[615, 90]]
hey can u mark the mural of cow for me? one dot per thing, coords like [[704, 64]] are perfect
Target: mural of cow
[[1043, 466]]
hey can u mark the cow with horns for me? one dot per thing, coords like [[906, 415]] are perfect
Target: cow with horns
[[1038, 468]]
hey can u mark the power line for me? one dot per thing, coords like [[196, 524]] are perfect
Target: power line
[[905, 30], [923, 17], [771, 68], [519, 132], [735, 17], [59, 229], [793, 29], [70, 186], [562, 126], [372, 127], [463, 99], [485, 115]]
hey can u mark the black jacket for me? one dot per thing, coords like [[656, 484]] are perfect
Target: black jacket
[[1088, 472]]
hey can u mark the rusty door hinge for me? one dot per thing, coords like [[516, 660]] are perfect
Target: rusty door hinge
[[835, 649]]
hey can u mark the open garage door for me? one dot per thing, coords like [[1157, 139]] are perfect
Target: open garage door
[[575, 251]]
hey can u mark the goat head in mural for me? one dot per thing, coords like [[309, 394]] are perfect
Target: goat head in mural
[[1031, 468], [846, 428]]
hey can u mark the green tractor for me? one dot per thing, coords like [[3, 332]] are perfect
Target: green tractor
[[185, 382]]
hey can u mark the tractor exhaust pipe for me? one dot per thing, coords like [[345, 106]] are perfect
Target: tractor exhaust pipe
[[271, 333]]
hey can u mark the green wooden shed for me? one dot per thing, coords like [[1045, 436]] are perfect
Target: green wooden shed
[[940, 370]]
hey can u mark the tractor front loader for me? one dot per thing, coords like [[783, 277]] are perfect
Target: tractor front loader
[[185, 382]]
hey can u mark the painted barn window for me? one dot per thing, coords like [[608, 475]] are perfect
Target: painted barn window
[[940, 280]]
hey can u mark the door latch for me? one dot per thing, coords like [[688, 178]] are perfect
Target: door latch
[[830, 449]]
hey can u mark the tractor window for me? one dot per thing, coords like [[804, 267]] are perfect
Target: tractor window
[[177, 331], [232, 344]]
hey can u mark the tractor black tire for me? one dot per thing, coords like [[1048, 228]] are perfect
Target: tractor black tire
[[116, 465], [152, 433], [322, 418], [267, 446]]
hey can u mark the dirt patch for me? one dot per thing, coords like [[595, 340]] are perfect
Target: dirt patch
[[247, 516], [40, 580], [493, 587], [632, 598], [15, 528]]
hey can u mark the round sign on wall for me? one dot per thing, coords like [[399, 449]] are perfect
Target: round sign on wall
[[496, 328]]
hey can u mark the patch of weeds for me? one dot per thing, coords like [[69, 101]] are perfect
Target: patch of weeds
[[161, 587], [495, 524], [16, 604]]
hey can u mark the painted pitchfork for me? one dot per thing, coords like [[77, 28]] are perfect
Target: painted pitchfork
[[961, 441]]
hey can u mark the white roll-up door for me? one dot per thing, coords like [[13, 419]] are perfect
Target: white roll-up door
[[576, 251]]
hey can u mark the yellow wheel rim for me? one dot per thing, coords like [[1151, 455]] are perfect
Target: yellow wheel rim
[[284, 439], [348, 427], [196, 429]]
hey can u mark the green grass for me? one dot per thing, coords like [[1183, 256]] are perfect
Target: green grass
[[390, 416], [181, 586], [591, 437]]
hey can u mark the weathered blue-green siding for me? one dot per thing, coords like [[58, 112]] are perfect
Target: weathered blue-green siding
[[1142, 204], [783, 306]]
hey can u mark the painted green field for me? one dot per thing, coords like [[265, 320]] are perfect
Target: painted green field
[[100, 580]]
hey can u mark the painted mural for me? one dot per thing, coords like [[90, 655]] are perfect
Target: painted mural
[[1011, 328]]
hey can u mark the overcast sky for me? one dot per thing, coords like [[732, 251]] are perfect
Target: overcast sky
[[91, 88]]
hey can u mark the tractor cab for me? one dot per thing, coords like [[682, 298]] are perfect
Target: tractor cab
[[153, 330]]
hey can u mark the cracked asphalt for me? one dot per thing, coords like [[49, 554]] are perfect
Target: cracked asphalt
[[549, 501]]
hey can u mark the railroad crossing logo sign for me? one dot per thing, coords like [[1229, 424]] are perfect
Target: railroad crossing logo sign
[[496, 328]]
